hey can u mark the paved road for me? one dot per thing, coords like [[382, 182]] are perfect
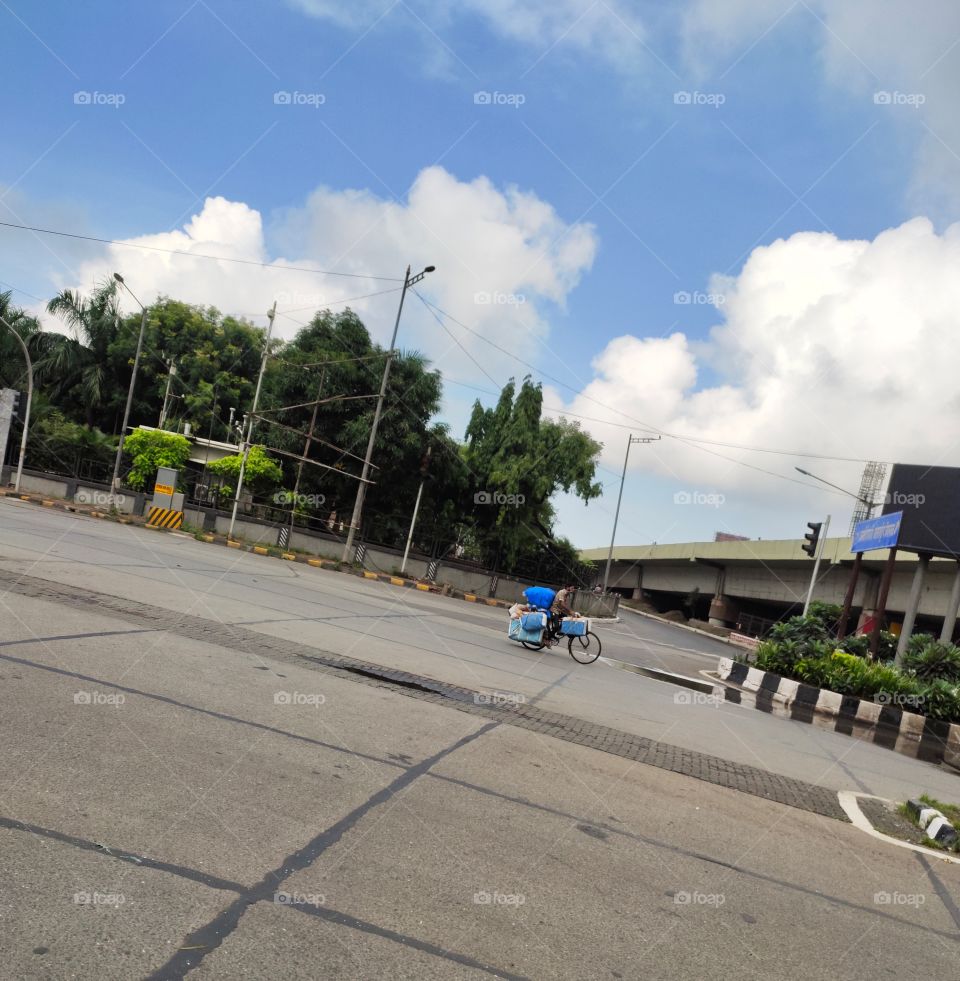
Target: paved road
[[190, 787]]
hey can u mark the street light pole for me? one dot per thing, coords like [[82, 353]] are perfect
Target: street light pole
[[416, 510], [115, 482], [408, 281], [171, 371], [251, 419], [633, 439], [26, 414]]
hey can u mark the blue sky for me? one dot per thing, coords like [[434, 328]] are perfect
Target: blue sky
[[686, 192]]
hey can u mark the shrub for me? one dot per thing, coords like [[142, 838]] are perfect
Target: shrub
[[261, 474], [940, 699], [858, 644], [152, 449], [932, 660]]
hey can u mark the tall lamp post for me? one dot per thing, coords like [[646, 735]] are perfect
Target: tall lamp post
[[26, 414], [633, 439], [408, 281], [115, 482]]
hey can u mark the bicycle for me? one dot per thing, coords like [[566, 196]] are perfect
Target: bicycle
[[584, 649]]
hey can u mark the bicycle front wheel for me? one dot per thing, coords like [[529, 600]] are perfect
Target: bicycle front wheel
[[585, 649]]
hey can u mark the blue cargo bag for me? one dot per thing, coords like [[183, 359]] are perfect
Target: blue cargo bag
[[517, 633], [533, 621], [573, 627]]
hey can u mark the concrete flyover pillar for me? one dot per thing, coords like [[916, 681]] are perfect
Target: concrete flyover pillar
[[950, 620], [913, 604], [723, 612]]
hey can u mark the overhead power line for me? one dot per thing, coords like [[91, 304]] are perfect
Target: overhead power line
[[195, 255]]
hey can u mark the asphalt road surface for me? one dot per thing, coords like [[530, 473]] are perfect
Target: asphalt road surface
[[223, 765]]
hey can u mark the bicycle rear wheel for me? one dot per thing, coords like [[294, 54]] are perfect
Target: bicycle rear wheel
[[585, 649], [531, 646]]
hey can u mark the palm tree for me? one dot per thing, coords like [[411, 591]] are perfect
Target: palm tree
[[12, 366], [80, 363]]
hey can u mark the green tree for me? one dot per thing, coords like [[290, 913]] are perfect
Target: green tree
[[150, 449], [216, 359], [261, 474], [518, 461], [77, 370], [334, 359], [12, 363]]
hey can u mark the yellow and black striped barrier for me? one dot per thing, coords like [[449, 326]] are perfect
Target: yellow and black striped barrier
[[164, 518]]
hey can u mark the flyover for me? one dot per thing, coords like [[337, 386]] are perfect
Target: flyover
[[732, 582]]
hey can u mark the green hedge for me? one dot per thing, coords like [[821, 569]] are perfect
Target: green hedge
[[803, 649]]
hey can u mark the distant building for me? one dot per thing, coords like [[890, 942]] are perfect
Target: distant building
[[725, 536]]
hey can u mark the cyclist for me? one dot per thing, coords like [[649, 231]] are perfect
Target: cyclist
[[560, 608]]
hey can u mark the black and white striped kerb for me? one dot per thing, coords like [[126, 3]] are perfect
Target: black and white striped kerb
[[934, 824], [886, 725]]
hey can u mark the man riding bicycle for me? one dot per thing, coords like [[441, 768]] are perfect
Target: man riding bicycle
[[560, 608]]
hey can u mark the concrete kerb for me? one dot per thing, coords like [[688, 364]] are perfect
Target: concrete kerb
[[682, 626], [329, 565], [888, 726], [850, 802]]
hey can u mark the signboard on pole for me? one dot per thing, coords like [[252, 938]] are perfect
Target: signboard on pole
[[881, 532]]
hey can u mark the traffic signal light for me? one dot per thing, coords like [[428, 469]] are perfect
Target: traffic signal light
[[15, 404], [812, 537]]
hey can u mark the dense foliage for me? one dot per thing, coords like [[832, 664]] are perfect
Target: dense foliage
[[803, 648], [487, 499]]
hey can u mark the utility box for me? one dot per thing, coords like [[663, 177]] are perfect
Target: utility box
[[165, 489]]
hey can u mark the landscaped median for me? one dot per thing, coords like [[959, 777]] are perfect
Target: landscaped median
[[802, 672]]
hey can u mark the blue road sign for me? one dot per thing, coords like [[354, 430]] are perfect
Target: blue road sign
[[881, 532]]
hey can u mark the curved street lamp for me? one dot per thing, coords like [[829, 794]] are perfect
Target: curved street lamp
[[26, 414]]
